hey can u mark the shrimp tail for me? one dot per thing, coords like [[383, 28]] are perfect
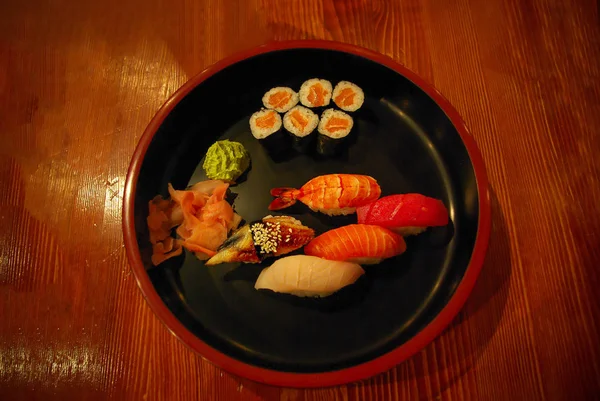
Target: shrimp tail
[[284, 197]]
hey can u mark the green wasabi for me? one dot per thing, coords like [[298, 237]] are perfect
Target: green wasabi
[[226, 160]]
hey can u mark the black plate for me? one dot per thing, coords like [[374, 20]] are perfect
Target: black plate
[[402, 138]]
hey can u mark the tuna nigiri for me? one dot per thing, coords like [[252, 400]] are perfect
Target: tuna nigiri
[[359, 243], [405, 214], [308, 276], [332, 194]]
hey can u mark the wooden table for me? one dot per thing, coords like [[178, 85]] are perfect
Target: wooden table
[[80, 80]]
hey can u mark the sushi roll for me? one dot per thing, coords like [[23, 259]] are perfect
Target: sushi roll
[[334, 128], [301, 122], [315, 93], [348, 96], [280, 99], [265, 126], [264, 123], [308, 276]]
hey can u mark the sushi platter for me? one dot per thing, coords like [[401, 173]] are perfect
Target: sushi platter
[[323, 227], [207, 225]]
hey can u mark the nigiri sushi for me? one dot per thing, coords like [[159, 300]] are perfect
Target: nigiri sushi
[[308, 276], [271, 236], [358, 243], [332, 194], [405, 214]]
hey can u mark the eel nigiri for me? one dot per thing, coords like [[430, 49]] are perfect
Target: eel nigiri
[[332, 194], [405, 214], [359, 243], [271, 236], [308, 276]]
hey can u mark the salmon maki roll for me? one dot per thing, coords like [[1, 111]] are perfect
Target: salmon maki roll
[[348, 96], [265, 126], [357, 243], [301, 122], [406, 214], [280, 99], [264, 123], [334, 128], [315, 93]]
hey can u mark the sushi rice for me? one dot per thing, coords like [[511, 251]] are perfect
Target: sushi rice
[[300, 121], [335, 124], [264, 123], [348, 96], [280, 99], [315, 93], [334, 128]]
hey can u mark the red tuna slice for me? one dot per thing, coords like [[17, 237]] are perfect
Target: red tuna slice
[[405, 210]]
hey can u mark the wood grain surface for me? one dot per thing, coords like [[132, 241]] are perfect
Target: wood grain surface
[[79, 82]]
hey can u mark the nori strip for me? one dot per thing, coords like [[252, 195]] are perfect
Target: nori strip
[[302, 144], [327, 146], [277, 145]]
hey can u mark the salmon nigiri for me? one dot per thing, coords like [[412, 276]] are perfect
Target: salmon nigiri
[[308, 276], [405, 214], [359, 243]]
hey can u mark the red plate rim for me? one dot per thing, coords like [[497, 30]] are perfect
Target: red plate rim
[[337, 377]]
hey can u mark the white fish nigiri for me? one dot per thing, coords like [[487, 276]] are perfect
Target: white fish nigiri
[[308, 276]]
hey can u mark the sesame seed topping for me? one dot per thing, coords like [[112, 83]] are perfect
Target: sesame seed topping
[[266, 236]]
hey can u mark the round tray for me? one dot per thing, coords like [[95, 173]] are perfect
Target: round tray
[[407, 136]]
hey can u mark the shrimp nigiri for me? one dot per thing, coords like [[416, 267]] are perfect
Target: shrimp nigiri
[[308, 276], [405, 214], [358, 243], [332, 194]]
